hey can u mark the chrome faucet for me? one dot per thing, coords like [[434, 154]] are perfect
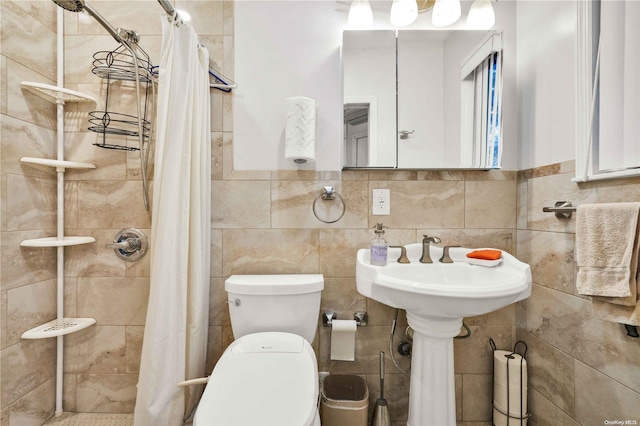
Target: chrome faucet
[[426, 257], [445, 255]]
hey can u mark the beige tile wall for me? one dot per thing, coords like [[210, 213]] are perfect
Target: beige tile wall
[[582, 370]]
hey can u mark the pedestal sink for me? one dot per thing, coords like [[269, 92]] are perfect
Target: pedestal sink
[[437, 297]]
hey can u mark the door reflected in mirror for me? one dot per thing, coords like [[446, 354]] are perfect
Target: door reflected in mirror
[[422, 99]]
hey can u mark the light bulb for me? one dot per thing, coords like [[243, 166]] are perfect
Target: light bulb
[[360, 15], [481, 15], [403, 12], [445, 12]]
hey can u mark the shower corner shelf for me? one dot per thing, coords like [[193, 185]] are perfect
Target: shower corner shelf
[[55, 328], [58, 164], [55, 93], [56, 242]]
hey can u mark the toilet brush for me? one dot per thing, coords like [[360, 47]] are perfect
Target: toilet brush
[[381, 410]]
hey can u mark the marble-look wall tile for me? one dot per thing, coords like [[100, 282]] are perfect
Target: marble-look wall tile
[[214, 347], [396, 392], [216, 253], [111, 204], [23, 139], [422, 204], [133, 347], [550, 255], [550, 372], [370, 341], [30, 203], [341, 296], [567, 322], [3, 86], [293, 204], [97, 349], [94, 260], [240, 204], [338, 248], [25, 366], [544, 413], [522, 205], [25, 265], [270, 251], [476, 397], [218, 306], [36, 407], [544, 192], [473, 355], [501, 239], [106, 393], [610, 191], [600, 399], [26, 40], [217, 156], [490, 204], [110, 163], [114, 301], [29, 306], [69, 392]]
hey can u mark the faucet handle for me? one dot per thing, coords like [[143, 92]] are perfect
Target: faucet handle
[[445, 255], [428, 239], [403, 254]]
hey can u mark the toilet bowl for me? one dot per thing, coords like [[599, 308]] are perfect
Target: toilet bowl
[[286, 392], [269, 375]]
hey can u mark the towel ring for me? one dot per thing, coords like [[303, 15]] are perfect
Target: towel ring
[[328, 194]]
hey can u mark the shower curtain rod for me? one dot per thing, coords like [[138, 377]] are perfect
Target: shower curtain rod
[[225, 84]]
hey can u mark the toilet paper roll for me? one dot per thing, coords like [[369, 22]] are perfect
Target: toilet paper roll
[[513, 388], [343, 340], [301, 129]]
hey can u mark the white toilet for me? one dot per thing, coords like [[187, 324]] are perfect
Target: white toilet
[[269, 374]]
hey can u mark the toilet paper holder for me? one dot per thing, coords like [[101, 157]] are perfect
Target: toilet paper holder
[[360, 317]]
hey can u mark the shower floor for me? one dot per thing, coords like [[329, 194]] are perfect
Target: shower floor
[[92, 419]]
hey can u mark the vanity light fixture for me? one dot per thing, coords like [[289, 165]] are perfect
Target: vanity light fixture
[[445, 12], [360, 15], [481, 15], [403, 12]]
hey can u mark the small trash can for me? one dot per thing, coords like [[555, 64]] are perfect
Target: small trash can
[[345, 401]]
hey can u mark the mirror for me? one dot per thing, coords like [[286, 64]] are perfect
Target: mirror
[[422, 99]]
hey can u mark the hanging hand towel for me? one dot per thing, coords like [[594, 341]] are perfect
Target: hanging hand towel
[[607, 251]]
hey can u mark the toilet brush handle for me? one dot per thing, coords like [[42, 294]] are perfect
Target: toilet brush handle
[[381, 375]]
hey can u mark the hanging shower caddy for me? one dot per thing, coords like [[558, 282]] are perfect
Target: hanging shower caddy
[[127, 63]]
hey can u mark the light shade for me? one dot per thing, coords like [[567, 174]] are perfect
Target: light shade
[[481, 15], [403, 12], [360, 15], [445, 12]]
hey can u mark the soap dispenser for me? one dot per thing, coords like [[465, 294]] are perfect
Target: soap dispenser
[[379, 247]]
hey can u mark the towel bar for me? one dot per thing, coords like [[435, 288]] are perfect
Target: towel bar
[[562, 209]]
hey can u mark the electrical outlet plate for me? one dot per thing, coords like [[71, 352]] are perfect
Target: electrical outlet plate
[[381, 202]]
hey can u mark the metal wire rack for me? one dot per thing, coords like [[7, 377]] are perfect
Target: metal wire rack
[[128, 63]]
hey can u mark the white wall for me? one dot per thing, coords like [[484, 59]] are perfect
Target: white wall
[[292, 48], [546, 44]]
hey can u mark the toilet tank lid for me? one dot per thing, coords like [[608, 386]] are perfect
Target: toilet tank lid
[[274, 284]]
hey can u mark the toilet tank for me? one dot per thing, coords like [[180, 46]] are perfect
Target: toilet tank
[[289, 303]]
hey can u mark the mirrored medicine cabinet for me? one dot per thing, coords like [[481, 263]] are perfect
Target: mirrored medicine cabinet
[[422, 99]]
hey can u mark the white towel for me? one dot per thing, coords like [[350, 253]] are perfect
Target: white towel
[[607, 251]]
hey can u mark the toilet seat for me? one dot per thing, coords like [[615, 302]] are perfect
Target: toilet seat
[[268, 378]]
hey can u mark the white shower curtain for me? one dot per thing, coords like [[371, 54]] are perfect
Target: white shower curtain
[[175, 335]]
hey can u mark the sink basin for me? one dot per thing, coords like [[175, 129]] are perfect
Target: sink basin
[[437, 296], [453, 290]]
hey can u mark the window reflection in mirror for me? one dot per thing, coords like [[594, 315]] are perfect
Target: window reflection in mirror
[[438, 97]]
